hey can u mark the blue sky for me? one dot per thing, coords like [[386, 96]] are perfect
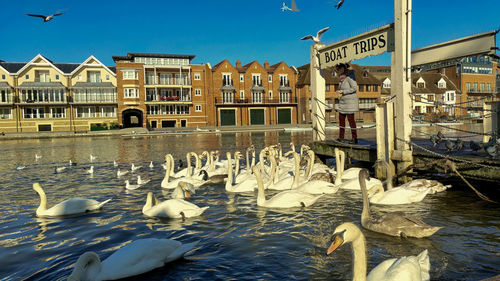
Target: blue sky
[[221, 29]]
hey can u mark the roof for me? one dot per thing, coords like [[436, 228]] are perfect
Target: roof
[[67, 67], [41, 85], [131, 56], [13, 67], [112, 68], [5, 85], [93, 85], [431, 83]]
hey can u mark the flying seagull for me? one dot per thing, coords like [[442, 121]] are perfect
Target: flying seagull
[[286, 8], [45, 18], [317, 38], [339, 4]]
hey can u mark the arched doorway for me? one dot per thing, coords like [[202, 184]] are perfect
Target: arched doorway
[[132, 118]]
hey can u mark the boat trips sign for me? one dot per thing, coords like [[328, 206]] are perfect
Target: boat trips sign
[[374, 42]]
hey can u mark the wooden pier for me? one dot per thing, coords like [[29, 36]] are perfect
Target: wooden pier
[[475, 167]]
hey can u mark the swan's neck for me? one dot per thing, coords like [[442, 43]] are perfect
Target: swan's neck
[[248, 160], [359, 255], [261, 160], [172, 168], [261, 195], [310, 165], [198, 161], [168, 169], [297, 170], [188, 157], [253, 158], [87, 264], [229, 181], [237, 168], [365, 214], [340, 167], [43, 200], [389, 176], [211, 167], [292, 146]]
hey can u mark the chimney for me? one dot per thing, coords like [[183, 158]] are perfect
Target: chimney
[[266, 64], [238, 63]]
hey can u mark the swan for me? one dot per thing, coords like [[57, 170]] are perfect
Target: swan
[[134, 168], [71, 206], [172, 208], [141, 181], [215, 179], [313, 186], [131, 186], [434, 186], [166, 182], [121, 173], [91, 170], [284, 199], [397, 195], [151, 165], [183, 190], [20, 167], [135, 258], [412, 268], [318, 171], [92, 158], [247, 185], [287, 182], [349, 174], [394, 223], [351, 184], [184, 171]]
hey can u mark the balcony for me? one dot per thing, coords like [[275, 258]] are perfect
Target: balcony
[[173, 99], [247, 101], [168, 82]]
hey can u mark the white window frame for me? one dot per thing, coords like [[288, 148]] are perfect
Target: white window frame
[[5, 113], [130, 93], [55, 114], [197, 92], [269, 78], [256, 78], [270, 96], [198, 108], [242, 77], [130, 74], [197, 76], [242, 94]]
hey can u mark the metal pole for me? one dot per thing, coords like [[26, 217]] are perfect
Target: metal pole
[[318, 96], [401, 83]]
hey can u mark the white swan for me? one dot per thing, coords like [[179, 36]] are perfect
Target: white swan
[[172, 208], [140, 181], [183, 190], [317, 186], [121, 173], [151, 165], [284, 199], [91, 170], [434, 186], [247, 185], [395, 196], [412, 268], [288, 182], [134, 168], [20, 167], [351, 184], [131, 186], [349, 174], [135, 258], [166, 182], [71, 206]]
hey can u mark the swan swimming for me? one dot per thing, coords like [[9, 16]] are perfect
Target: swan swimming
[[71, 206], [135, 258], [172, 208], [412, 268]]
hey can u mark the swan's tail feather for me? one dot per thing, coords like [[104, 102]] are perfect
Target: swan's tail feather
[[102, 203], [181, 251], [425, 265]]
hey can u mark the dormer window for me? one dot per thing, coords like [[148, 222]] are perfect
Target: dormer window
[[386, 84], [365, 73], [420, 83], [441, 84]]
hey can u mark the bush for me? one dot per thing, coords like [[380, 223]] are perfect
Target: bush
[[98, 127], [114, 125]]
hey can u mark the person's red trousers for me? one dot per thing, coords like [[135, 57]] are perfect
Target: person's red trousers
[[352, 124]]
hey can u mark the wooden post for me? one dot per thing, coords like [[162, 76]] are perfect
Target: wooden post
[[317, 95], [401, 83]]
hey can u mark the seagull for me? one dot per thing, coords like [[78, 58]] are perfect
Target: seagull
[[286, 8], [134, 167], [58, 170], [92, 158], [317, 38], [45, 18], [71, 163], [151, 166], [141, 181], [120, 173], [114, 163], [339, 4], [20, 167], [37, 157], [131, 186], [91, 170]]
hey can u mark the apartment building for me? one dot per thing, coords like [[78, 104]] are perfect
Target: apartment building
[[161, 91], [434, 94], [41, 95], [369, 89], [254, 94]]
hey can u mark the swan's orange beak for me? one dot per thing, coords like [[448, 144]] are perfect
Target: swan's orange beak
[[187, 194], [337, 241]]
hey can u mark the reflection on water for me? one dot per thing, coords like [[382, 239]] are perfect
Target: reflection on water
[[238, 240]]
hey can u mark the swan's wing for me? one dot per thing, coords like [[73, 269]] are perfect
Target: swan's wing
[[181, 251], [72, 206], [138, 257], [404, 268]]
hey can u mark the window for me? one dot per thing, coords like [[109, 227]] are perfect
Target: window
[[327, 89], [197, 92], [467, 86], [368, 88], [150, 78], [57, 76], [31, 112], [129, 74], [58, 112], [27, 76], [270, 78], [85, 111], [430, 97], [5, 113], [421, 85], [94, 76], [242, 78], [441, 85], [270, 95], [361, 87], [474, 87], [284, 81], [79, 77], [3, 76], [107, 76], [488, 87], [418, 98], [197, 108], [5, 95], [242, 95], [131, 93], [256, 97], [256, 79], [42, 76], [482, 87], [152, 109], [42, 95], [226, 80], [417, 109], [182, 109], [94, 95], [108, 111], [166, 78], [197, 76], [375, 88], [284, 97], [227, 97]]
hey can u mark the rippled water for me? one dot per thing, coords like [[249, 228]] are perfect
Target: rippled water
[[238, 240]]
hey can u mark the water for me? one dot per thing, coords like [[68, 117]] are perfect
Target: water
[[238, 240]]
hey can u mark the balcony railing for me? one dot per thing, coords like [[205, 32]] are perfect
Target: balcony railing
[[160, 98], [260, 101], [169, 81]]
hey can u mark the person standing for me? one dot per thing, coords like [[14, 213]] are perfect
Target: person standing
[[348, 101]]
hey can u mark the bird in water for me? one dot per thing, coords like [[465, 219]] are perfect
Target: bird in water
[[317, 38], [45, 18], [339, 4]]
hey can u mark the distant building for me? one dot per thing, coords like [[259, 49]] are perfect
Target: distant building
[[41, 95], [254, 94], [161, 91]]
